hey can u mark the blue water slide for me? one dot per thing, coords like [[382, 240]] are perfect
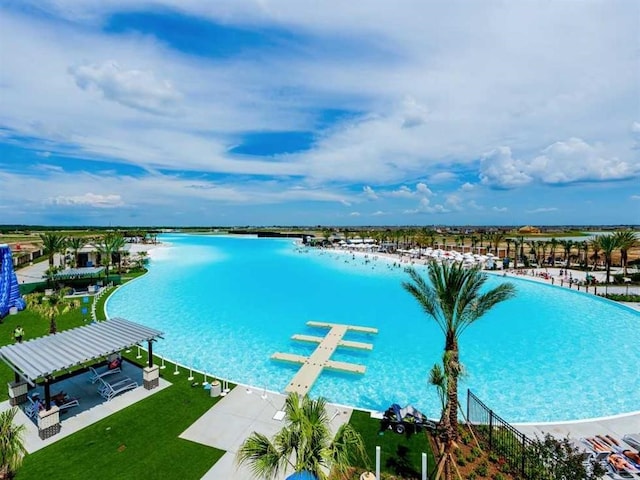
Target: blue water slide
[[9, 289]]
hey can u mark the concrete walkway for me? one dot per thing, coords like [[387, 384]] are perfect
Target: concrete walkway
[[243, 411]]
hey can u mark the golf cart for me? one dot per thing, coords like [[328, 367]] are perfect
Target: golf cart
[[406, 419]]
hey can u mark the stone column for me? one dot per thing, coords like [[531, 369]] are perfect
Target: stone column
[[48, 422], [151, 377], [17, 392]]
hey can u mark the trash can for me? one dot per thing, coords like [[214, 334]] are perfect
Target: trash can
[[216, 389]]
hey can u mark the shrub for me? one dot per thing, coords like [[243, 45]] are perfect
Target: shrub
[[482, 469]]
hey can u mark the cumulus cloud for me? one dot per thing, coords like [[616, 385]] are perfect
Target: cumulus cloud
[[499, 209], [575, 160], [88, 200], [562, 162], [354, 214], [467, 187], [378, 213], [132, 88], [500, 170]]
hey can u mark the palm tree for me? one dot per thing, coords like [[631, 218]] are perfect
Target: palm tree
[[75, 244], [509, 242], [595, 246], [50, 309], [454, 300], [496, 239], [52, 243], [607, 243], [304, 444], [12, 448], [626, 240], [438, 379], [111, 243], [567, 245], [554, 244]]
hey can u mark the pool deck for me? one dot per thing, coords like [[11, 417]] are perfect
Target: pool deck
[[313, 365], [243, 411]]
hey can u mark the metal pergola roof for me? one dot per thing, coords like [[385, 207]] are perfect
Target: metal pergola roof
[[78, 272], [44, 356]]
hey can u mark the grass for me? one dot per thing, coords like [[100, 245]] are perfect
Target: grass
[[140, 441], [400, 454]]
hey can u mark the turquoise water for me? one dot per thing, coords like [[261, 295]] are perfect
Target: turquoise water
[[226, 304]]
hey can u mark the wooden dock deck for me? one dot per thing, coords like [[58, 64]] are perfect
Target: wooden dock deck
[[320, 359]]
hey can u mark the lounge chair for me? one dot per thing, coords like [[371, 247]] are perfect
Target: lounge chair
[[95, 375], [109, 390], [633, 439], [66, 403], [33, 407]]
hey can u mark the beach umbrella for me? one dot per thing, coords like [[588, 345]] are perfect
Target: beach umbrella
[[304, 475]]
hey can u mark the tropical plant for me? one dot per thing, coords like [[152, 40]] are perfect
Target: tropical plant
[[111, 243], [51, 308], [554, 244], [304, 444], [75, 244], [12, 449], [595, 246], [52, 243], [496, 239], [561, 459], [567, 245], [453, 298], [438, 379], [626, 239], [607, 243], [509, 241]]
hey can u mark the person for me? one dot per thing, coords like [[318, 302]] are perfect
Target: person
[[633, 456], [18, 333]]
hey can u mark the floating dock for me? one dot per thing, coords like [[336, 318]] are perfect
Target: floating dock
[[320, 359]]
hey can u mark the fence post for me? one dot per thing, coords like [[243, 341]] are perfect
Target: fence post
[[490, 429], [524, 456]]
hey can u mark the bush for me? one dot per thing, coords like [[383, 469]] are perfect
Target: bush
[[621, 297], [482, 469]]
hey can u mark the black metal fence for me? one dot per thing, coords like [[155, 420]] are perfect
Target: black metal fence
[[513, 447]]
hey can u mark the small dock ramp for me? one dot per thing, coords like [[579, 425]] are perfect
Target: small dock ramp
[[320, 359]]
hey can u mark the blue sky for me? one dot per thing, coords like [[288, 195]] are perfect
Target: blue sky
[[238, 112]]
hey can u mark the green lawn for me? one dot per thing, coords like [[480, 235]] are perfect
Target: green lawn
[[140, 441], [400, 454]]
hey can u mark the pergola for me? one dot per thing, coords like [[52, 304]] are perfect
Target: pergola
[[42, 357], [82, 272]]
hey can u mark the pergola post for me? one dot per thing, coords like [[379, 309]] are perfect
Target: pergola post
[[150, 373], [18, 390], [48, 419]]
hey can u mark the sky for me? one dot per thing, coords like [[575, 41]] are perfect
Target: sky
[[260, 112]]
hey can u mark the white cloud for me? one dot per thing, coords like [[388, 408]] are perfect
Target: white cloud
[[414, 114], [133, 88], [354, 214], [454, 202], [499, 169], [369, 192], [402, 192], [473, 204], [635, 197], [575, 160], [442, 177], [422, 189], [543, 210], [499, 209], [467, 187], [88, 200], [378, 213]]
